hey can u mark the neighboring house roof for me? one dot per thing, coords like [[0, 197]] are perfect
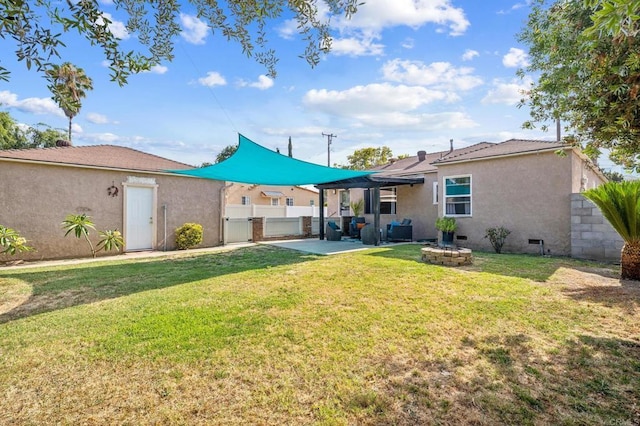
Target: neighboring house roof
[[483, 150], [507, 148], [414, 165], [99, 156]]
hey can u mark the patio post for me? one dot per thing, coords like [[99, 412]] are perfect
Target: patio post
[[376, 213], [321, 225]]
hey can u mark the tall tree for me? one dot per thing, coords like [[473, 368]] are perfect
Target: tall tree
[[620, 205], [17, 136], [37, 28], [588, 74], [366, 158], [11, 135], [226, 152], [69, 85]]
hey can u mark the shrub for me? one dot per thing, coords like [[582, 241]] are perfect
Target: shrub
[[11, 242], [188, 235], [80, 224], [446, 224], [497, 236]]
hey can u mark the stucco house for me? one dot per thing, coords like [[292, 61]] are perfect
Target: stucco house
[[120, 188], [268, 195], [523, 185]]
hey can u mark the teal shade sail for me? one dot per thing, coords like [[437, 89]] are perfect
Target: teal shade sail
[[252, 163]]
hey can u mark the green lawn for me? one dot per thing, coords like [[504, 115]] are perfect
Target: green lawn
[[262, 335]]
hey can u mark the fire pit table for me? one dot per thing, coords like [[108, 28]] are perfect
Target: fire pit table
[[447, 256]]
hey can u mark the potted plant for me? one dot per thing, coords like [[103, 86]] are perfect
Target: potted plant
[[448, 226], [357, 207]]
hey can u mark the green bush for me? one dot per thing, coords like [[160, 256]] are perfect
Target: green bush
[[446, 224], [188, 236], [11, 242], [497, 236]]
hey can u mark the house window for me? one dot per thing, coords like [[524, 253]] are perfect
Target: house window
[[246, 200], [435, 192], [312, 202], [388, 201], [275, 201], [457, 195], [289, 201]]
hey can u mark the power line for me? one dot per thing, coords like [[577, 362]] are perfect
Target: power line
[[330, 137]]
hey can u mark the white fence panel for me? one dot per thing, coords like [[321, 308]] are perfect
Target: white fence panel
[[237, 230], [238, 210], [278, 227], [256, 210]]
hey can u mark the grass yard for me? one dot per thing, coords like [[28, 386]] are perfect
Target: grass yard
[[262, 335]]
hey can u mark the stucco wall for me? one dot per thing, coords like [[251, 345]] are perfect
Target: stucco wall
[[36, 198], [527, 194]]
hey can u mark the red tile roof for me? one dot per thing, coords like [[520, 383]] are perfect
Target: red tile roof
[[102, 156]]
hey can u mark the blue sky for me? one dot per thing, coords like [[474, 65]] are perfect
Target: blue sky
[[408, 74]]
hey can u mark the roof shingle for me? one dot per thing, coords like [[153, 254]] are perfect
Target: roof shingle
[[107, 156]]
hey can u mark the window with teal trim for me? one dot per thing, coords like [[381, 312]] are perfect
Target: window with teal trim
[[457, 194]]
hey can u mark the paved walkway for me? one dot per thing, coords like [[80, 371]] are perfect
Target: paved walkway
[[311, 245]]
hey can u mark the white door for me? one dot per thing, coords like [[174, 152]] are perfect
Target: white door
[[139, 226]]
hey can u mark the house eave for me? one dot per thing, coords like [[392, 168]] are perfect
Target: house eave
[[90, 167]]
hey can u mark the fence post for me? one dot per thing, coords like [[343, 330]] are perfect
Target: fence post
[[258, 229]]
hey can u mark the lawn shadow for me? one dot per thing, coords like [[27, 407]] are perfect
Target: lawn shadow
[[62, 287]]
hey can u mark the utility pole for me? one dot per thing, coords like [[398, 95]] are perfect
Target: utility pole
[[330, 137]]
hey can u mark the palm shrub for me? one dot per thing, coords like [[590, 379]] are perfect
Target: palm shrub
[[496, 237], [620, 205], [11, 242], [357, 207], [80, 224], [188, 235]]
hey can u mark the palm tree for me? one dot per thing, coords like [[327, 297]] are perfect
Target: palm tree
[[68, 84], [620, 204]]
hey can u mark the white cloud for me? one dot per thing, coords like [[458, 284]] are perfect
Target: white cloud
[[469, 54], [513, 8], [288, 30], [40, 106], [441, 75], [212, 79], [408, 43], [76, 128], [509, 93], [117, 28], [375, 15], [263, 83], [193, 29], [353, 46], [158, 69], [515, 58], [373, 99], [96, 118]]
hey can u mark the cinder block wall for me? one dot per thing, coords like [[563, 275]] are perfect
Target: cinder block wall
[[592, 236]]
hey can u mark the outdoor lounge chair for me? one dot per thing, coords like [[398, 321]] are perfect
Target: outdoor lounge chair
[[355, 225], [400, 231], [333, 232]]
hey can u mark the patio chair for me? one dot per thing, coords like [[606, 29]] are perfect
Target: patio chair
[[400, 231], [355, 226], [333, 232]]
